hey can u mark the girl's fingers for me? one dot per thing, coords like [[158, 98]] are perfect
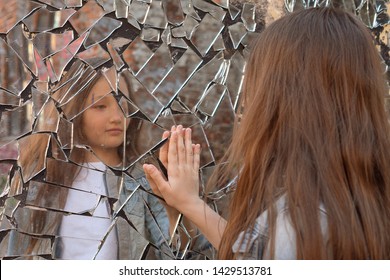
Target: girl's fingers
[[196, 157], [172, 148], [181, 150], [188, 146]]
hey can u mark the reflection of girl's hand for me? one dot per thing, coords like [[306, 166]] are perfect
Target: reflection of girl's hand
[[183, 160], [163, 157], [163, 154]]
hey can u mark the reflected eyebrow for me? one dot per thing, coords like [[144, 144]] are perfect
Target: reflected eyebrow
[[98, 97]]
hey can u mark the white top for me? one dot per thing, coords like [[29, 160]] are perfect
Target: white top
[[81, 235]]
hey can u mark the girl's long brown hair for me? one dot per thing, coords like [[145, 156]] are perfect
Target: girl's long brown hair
[[314, 129]]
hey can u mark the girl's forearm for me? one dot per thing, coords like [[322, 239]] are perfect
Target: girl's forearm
[[210, 223]]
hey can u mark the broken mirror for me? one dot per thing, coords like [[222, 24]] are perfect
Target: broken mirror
[[71, 190]]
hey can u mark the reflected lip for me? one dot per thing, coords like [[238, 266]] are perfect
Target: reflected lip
[[114, 130]]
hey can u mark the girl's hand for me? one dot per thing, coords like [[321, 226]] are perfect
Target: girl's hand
[[182, 158], [181, 191]]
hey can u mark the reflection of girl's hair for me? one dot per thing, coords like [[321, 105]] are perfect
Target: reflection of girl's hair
[[57, 198], [314, 129]]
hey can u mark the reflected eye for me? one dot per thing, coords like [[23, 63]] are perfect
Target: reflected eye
[[99, 106]]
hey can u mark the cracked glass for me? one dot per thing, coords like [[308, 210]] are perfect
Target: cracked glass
[[154, 64]]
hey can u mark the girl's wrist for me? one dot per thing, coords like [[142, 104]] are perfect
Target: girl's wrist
[[192, 207]]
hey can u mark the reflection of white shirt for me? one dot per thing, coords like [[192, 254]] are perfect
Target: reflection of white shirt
[[81, 235]]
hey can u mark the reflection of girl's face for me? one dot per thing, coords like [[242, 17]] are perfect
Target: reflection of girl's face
[[103, 123]]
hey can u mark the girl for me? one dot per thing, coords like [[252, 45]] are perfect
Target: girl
[[311, 153], [84, 207]]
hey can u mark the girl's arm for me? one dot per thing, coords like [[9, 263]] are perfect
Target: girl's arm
[[181, 191]]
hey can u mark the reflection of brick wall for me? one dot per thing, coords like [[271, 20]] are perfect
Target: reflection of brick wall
[[270, 10], [10, 127], [6, 152], [11, 10], [267, 10]]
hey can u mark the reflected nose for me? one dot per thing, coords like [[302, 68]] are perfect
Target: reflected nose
[[117, 114]]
